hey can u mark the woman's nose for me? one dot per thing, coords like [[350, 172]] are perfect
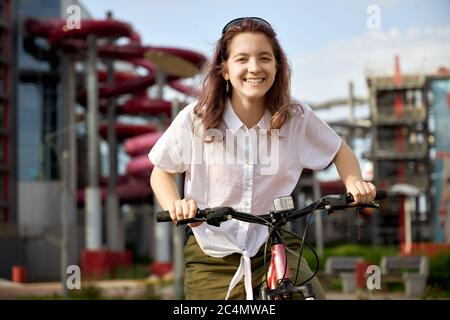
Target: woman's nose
[[253, 65]]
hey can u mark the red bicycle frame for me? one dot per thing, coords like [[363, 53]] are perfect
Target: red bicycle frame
[[278, 268]]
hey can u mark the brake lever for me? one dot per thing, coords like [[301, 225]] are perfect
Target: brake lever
[[190, 220], [331, 208], [218, 215], [335, 200]]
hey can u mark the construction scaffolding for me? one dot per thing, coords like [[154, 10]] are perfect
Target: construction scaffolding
[[401, 157]]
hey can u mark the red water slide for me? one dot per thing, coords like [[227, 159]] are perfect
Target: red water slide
[[137, 139]]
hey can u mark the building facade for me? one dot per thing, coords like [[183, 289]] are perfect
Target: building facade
[[30, 108]]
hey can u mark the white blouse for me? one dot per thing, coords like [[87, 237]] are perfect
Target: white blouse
[[244, 169]]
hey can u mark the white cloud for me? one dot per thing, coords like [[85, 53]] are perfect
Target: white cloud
[[323, 75]]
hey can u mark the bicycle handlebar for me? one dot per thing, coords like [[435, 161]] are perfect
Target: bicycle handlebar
[[215, 216], [163, 216]]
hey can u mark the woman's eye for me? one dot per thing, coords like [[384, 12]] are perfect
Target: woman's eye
[[241, 60]]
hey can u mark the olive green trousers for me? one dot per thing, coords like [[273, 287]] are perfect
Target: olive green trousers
[[208, 278]]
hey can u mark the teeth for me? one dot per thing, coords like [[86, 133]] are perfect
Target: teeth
[[254, 80]]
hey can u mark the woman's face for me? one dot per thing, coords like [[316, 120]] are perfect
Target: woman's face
[[251, 65]]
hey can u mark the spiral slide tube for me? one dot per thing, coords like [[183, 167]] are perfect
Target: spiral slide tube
[[174, 63]]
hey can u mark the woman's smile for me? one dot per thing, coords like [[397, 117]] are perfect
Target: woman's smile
[[254, 81]]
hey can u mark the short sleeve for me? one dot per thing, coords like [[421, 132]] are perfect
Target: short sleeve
[[320, 142], [172, 152]]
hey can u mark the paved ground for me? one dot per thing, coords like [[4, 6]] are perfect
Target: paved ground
[[119, 289], [148, 289], [365, 295]]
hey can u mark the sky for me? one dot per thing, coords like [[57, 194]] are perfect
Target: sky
[[328, 43]]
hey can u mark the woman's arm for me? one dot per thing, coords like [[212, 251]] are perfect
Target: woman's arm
[[349, 170], [164, 187], [166, 192]]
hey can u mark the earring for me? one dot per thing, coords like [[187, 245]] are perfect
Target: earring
[[228, 87]]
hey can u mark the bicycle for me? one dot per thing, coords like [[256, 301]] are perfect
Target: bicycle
[[279, 286]]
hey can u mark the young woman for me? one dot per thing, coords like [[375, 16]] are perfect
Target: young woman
[[245, 107]]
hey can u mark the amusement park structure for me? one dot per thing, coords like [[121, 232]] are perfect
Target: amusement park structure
[[106, 94]]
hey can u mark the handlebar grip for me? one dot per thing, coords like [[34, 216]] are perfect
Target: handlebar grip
[[380, 195], [163, 216]]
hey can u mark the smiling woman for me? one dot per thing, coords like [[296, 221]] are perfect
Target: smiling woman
[[251, 70], [246, 94]]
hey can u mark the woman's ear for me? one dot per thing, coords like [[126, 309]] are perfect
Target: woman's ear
[[225, 73]]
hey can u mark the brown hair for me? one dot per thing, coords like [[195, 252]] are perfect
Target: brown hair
[[211, 104]]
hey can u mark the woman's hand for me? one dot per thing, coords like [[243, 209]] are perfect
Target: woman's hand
[[184, 209], [349, 170], [363, 192]]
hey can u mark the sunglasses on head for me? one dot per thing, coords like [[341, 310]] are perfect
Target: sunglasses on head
[[237, 21]]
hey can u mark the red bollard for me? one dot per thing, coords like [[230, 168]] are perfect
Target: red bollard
[[361, 276], [18, 274], [161, 268]]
